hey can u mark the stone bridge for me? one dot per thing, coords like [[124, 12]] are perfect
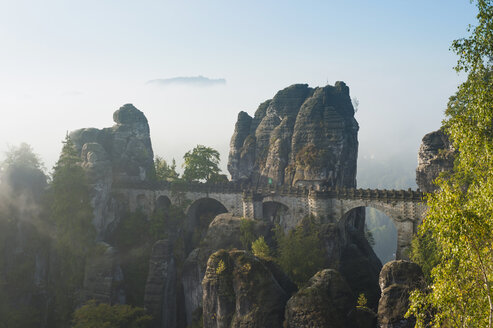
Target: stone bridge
[[284, 205]]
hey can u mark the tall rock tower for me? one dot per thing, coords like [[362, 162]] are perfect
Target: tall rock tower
[[119, 154], [303, 136]]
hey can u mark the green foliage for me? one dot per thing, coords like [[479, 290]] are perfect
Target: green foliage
[[22, 171], [202, 164], [165, 172], [220, 267], [425, 251], [247, 233], [460, 215], [23, 155], [71, 213], [362, 300], [311, 157], [260, 248], [134, 237], [300, 253], [93, 315], [71, 210]]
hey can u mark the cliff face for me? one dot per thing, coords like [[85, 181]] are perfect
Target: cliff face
[[435, 155], [122, 153], [302, 136]]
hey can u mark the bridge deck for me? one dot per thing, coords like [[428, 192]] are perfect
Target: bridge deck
[[323, 192]]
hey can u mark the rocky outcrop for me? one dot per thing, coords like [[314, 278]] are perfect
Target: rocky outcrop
[[103, 278], [349, 252], [160, 289], [325, 302], [303, 136], [362, 317], [223, 233], [397, 279], [120, 154], [435, 155], [240, 291]]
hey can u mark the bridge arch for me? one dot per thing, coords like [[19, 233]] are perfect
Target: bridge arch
[[405, 226], [199, 215], [163, 203], [377, 227], [275, 212]]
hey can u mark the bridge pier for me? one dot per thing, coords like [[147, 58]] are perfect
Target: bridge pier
[[405, 232], [318, 204], [252, 206]]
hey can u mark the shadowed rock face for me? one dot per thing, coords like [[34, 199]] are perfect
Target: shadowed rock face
[[102, 278], [302, 136], [435, 155], [325, 302], [122, 153], [397, 280], [160, 289], [223, 233], [241, 291]]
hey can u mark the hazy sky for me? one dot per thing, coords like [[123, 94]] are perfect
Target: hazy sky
[[69, 64]]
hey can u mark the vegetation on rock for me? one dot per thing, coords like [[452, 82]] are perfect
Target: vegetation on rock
[[260, 248], [460, 216], [165, 172], [299, 251], [93, 315], [71, 213]]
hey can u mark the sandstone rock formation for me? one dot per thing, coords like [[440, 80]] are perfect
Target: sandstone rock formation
[[435, 155], [303, 136], [223, 233], [120, 154], [103, 277], [324, 303], [362, 317], [397, 279], [349, 253], [160, 289], [240, 291]]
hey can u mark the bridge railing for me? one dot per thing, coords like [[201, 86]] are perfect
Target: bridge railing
[[271, 189]]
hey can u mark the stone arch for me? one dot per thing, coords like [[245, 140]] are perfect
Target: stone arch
[[163, 203], [199, 215], [376, 205], [275, 212], [404, 227]]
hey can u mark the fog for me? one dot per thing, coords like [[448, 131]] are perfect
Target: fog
[[70, 65]]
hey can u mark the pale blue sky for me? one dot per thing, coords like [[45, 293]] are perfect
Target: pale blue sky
[[68, 64]]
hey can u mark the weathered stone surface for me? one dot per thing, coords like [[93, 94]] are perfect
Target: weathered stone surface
[[122, 153], [103, 277], [362, 317], [435, 155], [160, 289], [240, 291], [325, 303], [191, 279], [397, 280], [303, 136], [349, 253], [223, 233]]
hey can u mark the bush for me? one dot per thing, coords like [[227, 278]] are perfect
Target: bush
[[93, 315], [260, 248], [299, 252]]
